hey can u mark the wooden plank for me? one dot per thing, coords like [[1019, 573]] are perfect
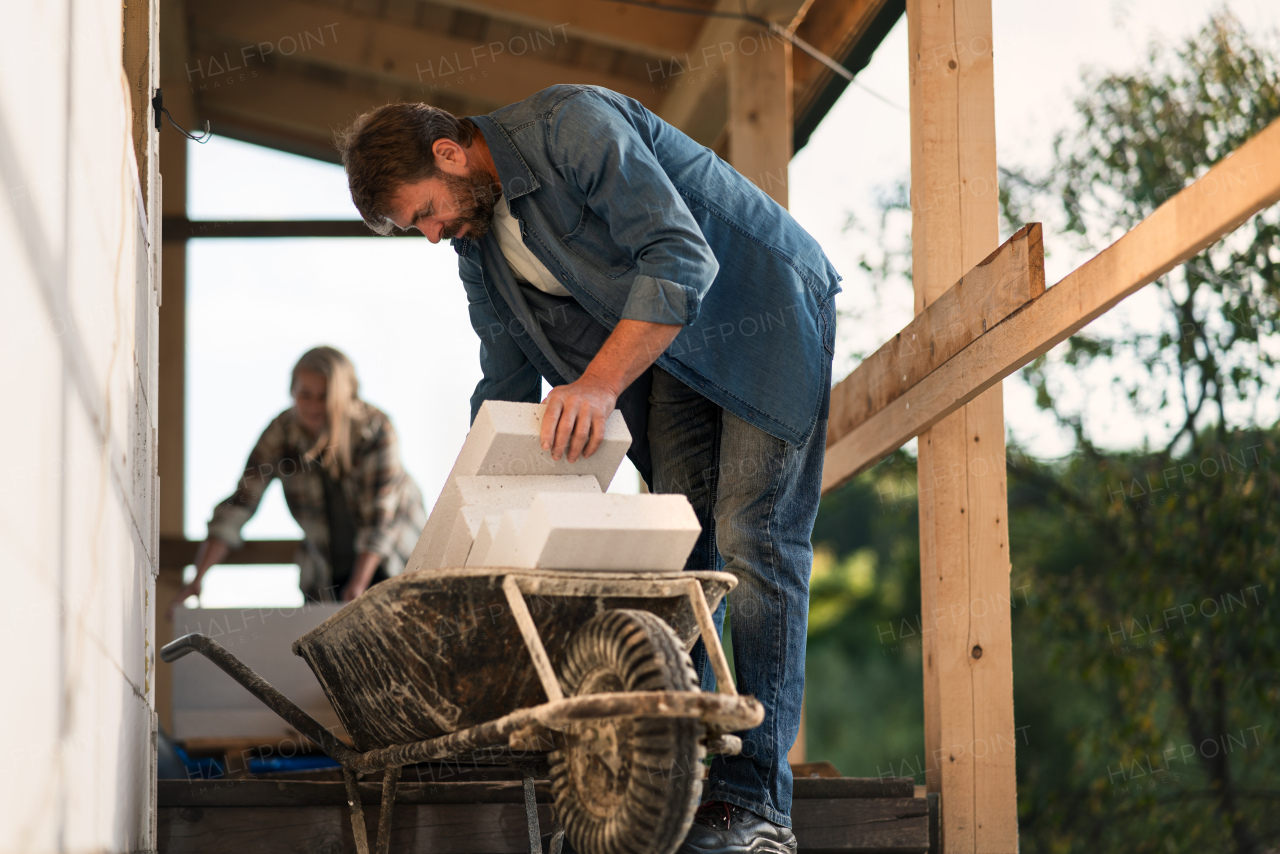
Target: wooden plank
[[141, 67], [811, 788], [955, 225], [1246, 182], [283, 793], [986, 648], [1001, 284], [439, 828], [295, 793], [882, 824], [177, 229], [172, 335], [760, 115], [177, 553]]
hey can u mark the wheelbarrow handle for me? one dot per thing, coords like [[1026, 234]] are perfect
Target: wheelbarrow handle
[[263, 690], [176, 649]]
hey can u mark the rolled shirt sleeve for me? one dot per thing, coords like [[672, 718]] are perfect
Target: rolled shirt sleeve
[[606, 157]]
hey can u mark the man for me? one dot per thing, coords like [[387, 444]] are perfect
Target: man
[[606, 251]]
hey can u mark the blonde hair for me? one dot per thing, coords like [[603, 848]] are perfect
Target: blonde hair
[[341, 403]]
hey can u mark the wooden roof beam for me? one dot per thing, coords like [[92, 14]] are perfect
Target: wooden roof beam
[[647, 32], [693, 86], [833, 27], [294, 112], [347, 41]]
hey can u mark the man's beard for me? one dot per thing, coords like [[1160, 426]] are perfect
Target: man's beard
[[473, 196]]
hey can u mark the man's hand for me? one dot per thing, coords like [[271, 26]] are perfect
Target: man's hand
[[576, 413], [575, 417]]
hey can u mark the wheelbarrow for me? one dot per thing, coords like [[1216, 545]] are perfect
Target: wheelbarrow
[[584, 676]]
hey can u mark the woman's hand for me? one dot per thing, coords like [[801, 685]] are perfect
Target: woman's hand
[[361, 576], [352, 590], [212, 551], [192, 588]]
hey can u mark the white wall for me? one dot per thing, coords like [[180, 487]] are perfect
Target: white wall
[[77, 390]]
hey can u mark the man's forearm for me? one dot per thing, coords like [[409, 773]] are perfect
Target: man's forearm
[[629, 350], [575, 417]]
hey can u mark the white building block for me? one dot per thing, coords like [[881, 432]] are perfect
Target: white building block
[[513, 492], [607, 532], [507, 548], [484, 540], [466, 525], [485, 494], [506, 439]]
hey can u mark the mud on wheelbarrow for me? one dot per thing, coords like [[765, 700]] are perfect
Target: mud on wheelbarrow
[[586, 675]]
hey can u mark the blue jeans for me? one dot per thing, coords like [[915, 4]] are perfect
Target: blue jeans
[[756, 497]]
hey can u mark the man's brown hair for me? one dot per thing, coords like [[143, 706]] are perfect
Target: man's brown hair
[[386, 148]]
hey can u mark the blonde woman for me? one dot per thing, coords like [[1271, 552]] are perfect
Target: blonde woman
[[338, 461]]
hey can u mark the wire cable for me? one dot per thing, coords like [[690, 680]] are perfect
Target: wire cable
[[157, 104], [774, 29]]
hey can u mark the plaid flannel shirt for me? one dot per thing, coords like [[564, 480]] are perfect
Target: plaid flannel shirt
[[384, 500]]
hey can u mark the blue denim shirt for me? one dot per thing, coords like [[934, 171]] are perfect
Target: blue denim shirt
[[638, 221]]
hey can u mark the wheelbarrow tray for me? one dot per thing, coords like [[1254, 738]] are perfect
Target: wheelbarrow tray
[[432, 652]]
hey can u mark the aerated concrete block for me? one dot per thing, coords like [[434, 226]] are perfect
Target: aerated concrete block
[[607, 532], [508, 548], [506, 440], [484, 539], [466, 525], [484, 494], [513, 492]]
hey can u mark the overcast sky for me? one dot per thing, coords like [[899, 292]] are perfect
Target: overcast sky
[[397, 309]]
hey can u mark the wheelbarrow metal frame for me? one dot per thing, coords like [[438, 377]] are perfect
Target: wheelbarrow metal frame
[[723, 711]]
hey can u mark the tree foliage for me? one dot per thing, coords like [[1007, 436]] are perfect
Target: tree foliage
[[1208, 358]]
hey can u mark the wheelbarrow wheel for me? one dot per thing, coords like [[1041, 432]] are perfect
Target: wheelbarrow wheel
[[628, 785]]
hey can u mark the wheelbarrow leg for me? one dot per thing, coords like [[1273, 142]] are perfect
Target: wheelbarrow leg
[[531, 813], [557, 836], [357, 812], [390, 779]]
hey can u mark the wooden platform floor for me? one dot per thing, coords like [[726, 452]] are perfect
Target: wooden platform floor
[[487, 817]]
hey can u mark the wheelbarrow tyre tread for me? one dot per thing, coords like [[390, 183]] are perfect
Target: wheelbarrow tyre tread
[[642, 653]]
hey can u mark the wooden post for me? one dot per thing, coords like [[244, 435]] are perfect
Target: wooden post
[[964, 572], [760, 144], [172, 393], [760, 111]]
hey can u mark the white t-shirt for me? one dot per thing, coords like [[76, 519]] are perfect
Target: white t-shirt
[[524, 264]]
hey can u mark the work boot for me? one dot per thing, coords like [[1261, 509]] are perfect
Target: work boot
[[721, 828]]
